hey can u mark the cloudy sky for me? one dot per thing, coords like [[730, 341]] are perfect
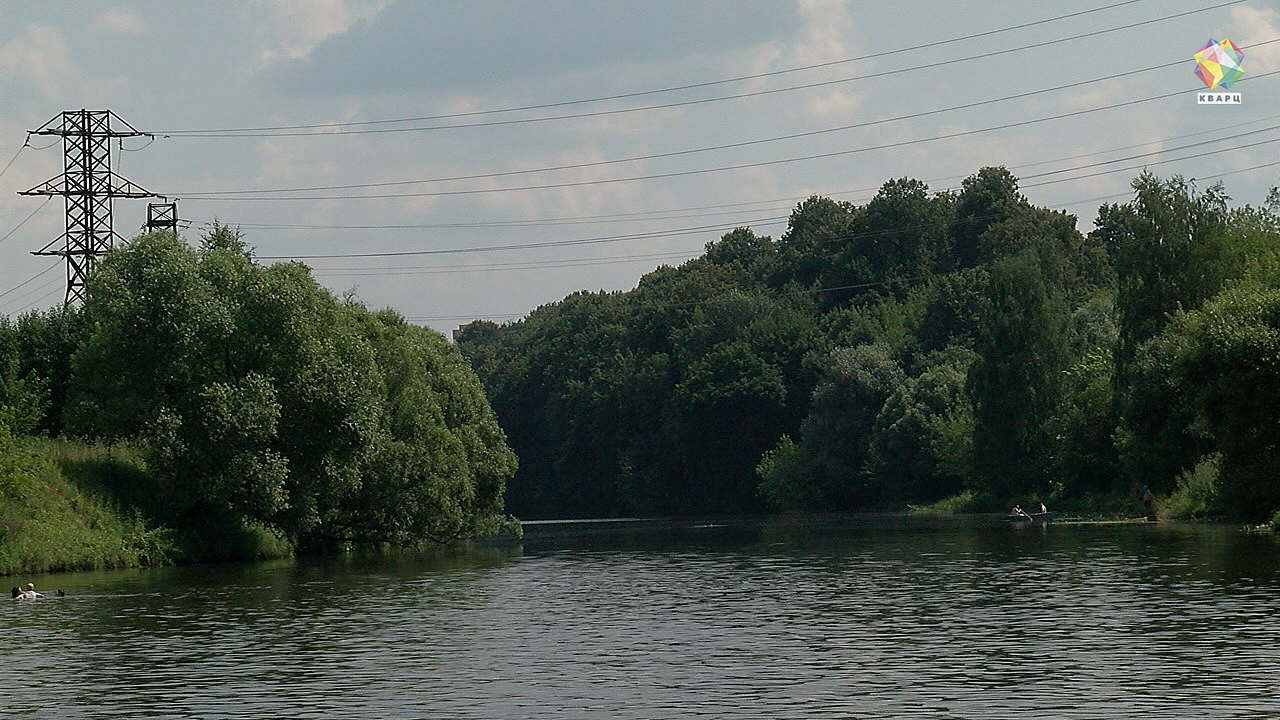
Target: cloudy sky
[[462, 159]]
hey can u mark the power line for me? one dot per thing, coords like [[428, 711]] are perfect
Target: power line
[[1145, 165], [30, 279], [40, 299], [808, 291], [771, 220], [775, 219], [496, 267], [526, 246], [691, 151], [24, 220], [1162, 162], [879, 75], [14, 159], [740, 166], [707, 228], [238, 132], [694, 211]]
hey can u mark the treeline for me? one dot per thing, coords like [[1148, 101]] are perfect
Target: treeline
[[920, 347], [258, 403]]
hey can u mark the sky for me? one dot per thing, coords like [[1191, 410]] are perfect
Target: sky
[[474, 159]]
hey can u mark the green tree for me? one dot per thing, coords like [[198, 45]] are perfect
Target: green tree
[[819, 228], [854, 385], [260, 398], [23, 396], [740, 247], [1015, 382], [913, 451], [1174, 254], [785, 480], [1228, 363], [730, 404], [986, 198], [439, 461], [42, 343], [900, 238], [1083, 426]]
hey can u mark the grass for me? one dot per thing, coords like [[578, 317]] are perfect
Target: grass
[[1105, 505], [66, 505], [52, 521]]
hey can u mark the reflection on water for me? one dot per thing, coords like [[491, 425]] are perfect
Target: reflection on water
[[835, 617]]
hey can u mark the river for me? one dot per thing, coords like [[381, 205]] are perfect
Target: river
[[802, 617]]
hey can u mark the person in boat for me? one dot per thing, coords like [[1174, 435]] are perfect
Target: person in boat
[[1043, 509], [1017, 510]]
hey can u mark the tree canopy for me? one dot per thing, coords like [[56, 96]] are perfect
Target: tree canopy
[[918, 347], [904, 351], [261, 398]]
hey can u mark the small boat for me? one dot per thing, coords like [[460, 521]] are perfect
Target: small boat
[[1038, 517]]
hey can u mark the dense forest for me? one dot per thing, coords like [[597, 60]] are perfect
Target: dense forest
[[924, 346], [255, 400], [964, 349]]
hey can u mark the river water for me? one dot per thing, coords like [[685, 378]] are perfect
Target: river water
[[883, 617]]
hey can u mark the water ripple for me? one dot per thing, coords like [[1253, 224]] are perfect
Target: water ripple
[[738, 620]]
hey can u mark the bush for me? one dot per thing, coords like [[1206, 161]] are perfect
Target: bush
[[786, 482], [965, 502], [1196, 492]]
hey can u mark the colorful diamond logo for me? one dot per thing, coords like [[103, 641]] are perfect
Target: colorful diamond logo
[[1218, 64]]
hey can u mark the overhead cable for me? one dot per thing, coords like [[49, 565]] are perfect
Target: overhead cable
[[292, 130], [228, 196]]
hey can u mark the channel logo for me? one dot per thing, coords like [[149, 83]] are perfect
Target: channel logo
[[1219, 65]]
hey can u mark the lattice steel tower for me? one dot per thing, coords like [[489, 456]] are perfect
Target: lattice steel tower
[[88, 187], [162, 216]]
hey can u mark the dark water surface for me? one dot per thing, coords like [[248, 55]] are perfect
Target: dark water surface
[[794, 618]]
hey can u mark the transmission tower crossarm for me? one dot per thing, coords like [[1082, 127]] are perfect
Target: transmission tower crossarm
[[88, 186], [97, 122], [52, 186]]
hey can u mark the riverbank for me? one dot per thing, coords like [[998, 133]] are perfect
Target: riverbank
[[54, 519], [67, 506], [1193, 498]]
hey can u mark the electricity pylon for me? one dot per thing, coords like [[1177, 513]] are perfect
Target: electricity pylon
[[88, 187], [162, 216]]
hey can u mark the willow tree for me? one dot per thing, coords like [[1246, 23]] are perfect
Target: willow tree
[[261, 398]]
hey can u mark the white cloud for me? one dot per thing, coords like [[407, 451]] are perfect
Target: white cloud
[[835, 104], [825, 37], [39, 60], [827, 29], [120, 21], [1251, 25], [289, 30]]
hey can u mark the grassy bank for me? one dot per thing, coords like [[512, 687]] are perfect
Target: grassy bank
[[1194, 496], [50, 521], [70, 506]]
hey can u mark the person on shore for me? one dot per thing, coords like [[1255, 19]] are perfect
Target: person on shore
[[1148, 500]]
